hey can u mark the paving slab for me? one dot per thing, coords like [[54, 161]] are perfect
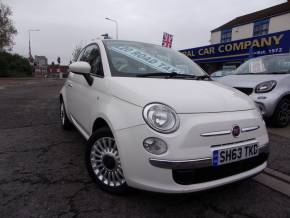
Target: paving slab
[[279, 158]]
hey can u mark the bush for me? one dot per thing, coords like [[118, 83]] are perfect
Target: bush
[[14, 65]]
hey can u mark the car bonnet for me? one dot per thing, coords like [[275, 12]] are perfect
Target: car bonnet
[[185, 96]]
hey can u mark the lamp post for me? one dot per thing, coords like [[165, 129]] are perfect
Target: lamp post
[[31, 30], [116, 22]]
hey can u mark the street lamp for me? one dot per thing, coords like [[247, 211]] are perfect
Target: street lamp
[[31, 30], [116, 22]]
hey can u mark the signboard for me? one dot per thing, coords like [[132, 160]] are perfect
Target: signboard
[[274, 43], [167, 40]]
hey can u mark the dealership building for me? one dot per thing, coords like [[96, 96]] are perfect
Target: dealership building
[[260, 33]]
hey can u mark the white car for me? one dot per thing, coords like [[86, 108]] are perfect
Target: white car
[[154, 120]]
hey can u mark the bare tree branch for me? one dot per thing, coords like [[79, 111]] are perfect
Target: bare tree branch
[[76, 51], [7, 29]]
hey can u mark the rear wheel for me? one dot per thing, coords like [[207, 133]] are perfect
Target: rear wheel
[[103, 162], [281, 117], [65, 122]]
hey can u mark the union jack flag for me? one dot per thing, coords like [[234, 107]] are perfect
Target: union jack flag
[[167, 40]]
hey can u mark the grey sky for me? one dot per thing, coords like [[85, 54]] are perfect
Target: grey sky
[[65, 23]]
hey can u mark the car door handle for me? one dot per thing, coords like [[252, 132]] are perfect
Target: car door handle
[[70, 85]]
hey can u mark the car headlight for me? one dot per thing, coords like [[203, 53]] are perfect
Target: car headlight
[[265, 86], [161, 117]]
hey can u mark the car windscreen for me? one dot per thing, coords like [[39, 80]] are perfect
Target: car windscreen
[[131, 59], [227, 72], [221, 73], [272, 64]]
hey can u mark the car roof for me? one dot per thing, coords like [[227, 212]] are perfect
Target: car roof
[[115, 40]]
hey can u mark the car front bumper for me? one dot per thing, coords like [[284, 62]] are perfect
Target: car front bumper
[[193, 164], [266, 102], [188, 152]]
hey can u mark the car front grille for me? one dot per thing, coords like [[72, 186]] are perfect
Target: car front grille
[[247, 91], [195, 176]]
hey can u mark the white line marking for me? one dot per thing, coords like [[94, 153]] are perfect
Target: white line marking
[[277, 174], [272, 181]]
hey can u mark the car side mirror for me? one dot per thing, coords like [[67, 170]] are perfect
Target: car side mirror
[[82, 68]]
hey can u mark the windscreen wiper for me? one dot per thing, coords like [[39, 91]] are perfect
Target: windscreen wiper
[[173, 75], [263, 73], [157, 74], [203, 77], [287, 72], [189, 76], [245, 74]]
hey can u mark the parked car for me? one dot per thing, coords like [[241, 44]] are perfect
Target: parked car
[[221, 73], [267, 81], [154, 120]]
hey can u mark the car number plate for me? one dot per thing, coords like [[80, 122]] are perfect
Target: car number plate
[[233, 154]]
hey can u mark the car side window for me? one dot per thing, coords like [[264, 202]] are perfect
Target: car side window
[[93, 57]]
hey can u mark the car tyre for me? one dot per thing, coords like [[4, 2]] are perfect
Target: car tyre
[[103, 162], [281, 117], [65, 122]]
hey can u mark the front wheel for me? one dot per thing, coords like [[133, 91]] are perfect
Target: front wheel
[[103, 162], [281, 117], [65, 122]]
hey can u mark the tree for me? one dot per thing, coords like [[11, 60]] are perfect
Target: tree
[[7, 29], [76, 51], [14, 65]]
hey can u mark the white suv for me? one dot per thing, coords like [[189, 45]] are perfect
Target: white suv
[[154, 120]]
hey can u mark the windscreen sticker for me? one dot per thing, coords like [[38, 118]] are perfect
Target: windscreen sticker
[[257, 66], [146, 59]]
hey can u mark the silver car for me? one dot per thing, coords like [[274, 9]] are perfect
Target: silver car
[[266, 80], [221, 73]]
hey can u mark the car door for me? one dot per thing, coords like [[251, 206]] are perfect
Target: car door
[[85, 96], [70, 89]]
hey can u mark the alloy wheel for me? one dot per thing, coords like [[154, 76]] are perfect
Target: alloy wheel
[[105, 162]]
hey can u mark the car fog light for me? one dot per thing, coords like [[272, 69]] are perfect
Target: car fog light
[[155, 145]]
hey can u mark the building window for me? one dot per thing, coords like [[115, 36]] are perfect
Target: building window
[[261, 27], [226, 35]]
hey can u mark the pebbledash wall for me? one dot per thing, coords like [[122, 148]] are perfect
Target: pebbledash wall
[[238, 40]]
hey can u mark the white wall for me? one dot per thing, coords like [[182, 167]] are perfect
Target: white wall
[[215, 37], [279, 23], [242, 32]]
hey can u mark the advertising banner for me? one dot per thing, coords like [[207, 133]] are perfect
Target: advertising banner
[[274, 43]]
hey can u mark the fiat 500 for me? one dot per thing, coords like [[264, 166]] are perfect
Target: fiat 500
[[154, 120]]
